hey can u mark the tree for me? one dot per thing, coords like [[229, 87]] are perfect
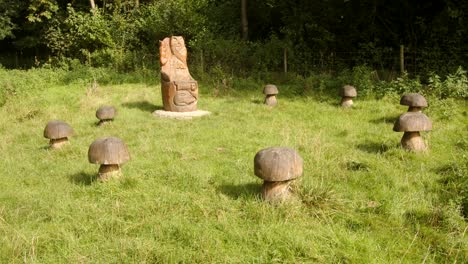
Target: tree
[[93, 5], [9, 11], [244, 20]]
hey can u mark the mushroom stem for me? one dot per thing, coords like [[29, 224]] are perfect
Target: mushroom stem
[[414, 109], [270, 100], [413, 141], [346, 101], [104, 121], [58, 143], [275, 191], [108, 171]]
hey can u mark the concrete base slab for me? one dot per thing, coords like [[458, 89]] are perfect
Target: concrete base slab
[[180, 115]]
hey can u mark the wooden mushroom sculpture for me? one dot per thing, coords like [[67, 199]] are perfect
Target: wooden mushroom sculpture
[[58, 132], [414, 101], [412, 123], [278, 167], [105, 114], [270, 92], [347, 94], [110, 153]]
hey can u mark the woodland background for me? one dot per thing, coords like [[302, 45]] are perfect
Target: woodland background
[[239, 38]]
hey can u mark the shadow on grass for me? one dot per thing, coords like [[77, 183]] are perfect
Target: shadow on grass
[[144, 106], [83, 178], [385, 120], [46, 147], [249, 190], [101, 123], [357, 166], [257, 101], [373, 147], [50, 148]]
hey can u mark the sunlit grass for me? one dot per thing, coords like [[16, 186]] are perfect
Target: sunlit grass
[[189, 193]]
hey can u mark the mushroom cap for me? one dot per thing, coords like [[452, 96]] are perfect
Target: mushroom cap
[[348, 91], [57, 129], [413, 100], [106, 112], [412, 122], [278, 164], [270, 89], [110, 150]]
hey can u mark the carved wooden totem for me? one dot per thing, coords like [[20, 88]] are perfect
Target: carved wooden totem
[[179, 89]]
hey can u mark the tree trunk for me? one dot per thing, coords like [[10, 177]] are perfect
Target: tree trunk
[[93, 5], [285, 60], [244, 21], [402, 59]]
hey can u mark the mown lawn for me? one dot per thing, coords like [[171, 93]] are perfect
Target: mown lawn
[[189, 193]]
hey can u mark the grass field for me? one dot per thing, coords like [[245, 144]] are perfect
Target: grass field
[[189, 193]]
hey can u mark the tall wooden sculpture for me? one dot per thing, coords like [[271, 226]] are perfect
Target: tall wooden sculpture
[[179, 89]]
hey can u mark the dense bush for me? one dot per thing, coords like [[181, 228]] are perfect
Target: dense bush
[[318, 36], [454, 85]]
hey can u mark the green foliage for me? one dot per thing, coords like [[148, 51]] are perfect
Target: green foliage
[[268, 55], [325, 37], [161, 19], [320, 85], [404, 84], [214, 54], [19, 83], [372, 53], [455, 85], [363, 78], [8, 10], [112, 36], [79, 34], [40, 10]]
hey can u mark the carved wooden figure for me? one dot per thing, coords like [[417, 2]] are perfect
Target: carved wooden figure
[[179, 89]]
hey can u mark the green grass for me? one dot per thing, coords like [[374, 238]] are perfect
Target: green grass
[[189, 193]]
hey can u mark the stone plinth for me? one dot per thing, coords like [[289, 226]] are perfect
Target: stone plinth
[[180, 115]]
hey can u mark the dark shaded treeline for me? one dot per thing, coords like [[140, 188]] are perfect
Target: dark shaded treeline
[[316, 35]]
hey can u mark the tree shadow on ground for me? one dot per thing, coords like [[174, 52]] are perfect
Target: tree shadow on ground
[[385, 120], [144, 106], [83, 178], [373, 147], [250, 190]]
